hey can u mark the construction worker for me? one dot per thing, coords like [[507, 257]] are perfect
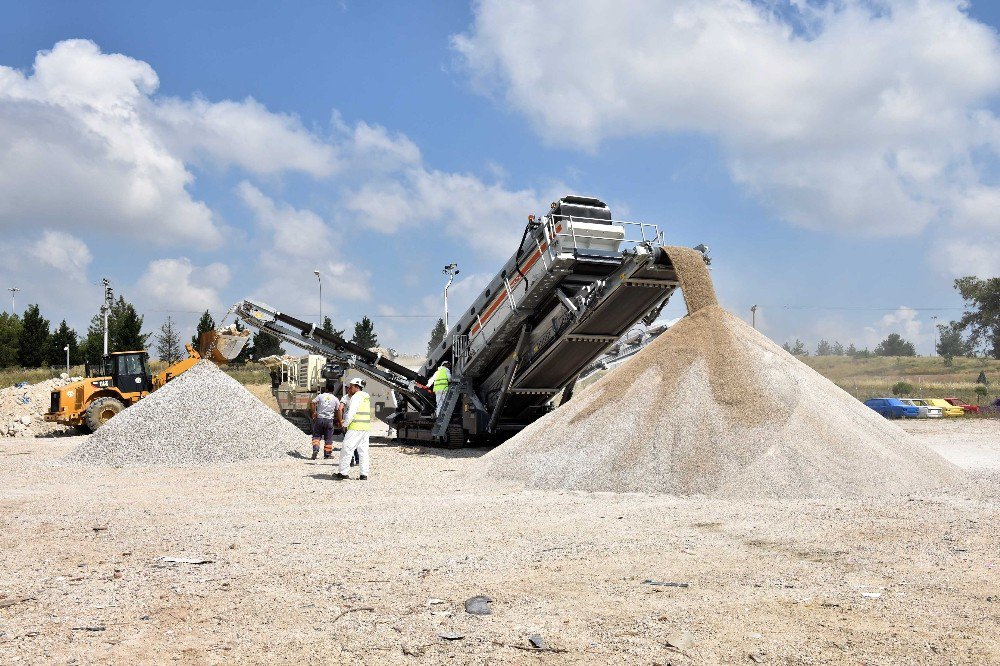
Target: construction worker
[[357, 425], [326, 411], [439, 384]]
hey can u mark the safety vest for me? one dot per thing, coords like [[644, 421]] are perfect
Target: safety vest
[[440, 381], [363, 417]]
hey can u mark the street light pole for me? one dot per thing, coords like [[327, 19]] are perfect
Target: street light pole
[[109, 297], [451, 270], [934, 326], [320, 281], [66, 349], [753, 315], [12, 290]]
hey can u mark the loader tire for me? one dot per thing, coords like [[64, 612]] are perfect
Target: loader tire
[[454, 438], [101, 411]]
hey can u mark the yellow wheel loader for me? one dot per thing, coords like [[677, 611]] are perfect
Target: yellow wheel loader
[[123, 378]]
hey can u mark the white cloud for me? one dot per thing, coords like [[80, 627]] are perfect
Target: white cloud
[[244, 134], [298, 242], [179, 284], [487, 217], [904, 321], [866, 120], [63, 252], [76, 150]]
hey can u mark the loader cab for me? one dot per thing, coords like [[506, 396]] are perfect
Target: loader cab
[[129, 371]]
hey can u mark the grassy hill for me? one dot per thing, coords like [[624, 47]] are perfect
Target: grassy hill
[[930, 376]]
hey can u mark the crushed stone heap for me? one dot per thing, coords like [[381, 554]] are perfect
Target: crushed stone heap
[[714, 407], [202, 417], [22, 409]]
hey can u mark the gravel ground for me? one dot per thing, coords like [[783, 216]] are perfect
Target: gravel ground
[[883, 581]]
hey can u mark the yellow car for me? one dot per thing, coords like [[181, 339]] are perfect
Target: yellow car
[[948, 408]]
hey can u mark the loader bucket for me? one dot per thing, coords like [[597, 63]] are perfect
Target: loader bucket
[[222, 345]]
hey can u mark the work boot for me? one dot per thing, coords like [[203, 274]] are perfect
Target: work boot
[[341, 477], [326, 457], [314, 455], [362, 478]]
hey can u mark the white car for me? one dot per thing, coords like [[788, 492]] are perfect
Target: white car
[[927, 410]]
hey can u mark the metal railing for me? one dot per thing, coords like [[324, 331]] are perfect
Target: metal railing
[[648, 233]]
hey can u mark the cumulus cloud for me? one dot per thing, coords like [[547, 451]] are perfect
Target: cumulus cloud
[[244, 134], [85, 143], [297, 242], [179, 284], [851, 116], [63, 252], [905, 321], [487, 217], [76, 150]]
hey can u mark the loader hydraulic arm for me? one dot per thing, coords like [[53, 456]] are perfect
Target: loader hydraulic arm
[[177, 368]]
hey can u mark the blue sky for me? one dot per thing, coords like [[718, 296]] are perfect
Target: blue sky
[[198, 155]]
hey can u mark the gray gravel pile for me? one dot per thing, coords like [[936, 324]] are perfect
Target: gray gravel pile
[[714, 407], [202, 417], [22, 409]]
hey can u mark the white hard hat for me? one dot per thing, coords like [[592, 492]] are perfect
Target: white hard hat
[[357, 381]]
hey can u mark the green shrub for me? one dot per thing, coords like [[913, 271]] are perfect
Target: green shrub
[[902, 388]]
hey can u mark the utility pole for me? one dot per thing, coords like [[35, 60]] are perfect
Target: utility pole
[[753, 315], [320, 280], [12, 290], [451, 270], [934, 326], [66, 349], [109, 297]]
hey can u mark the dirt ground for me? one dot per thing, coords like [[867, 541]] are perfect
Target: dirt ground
[[305, 570]]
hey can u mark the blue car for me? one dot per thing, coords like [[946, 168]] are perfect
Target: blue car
[[893, 408]]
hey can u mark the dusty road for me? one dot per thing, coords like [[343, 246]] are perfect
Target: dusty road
[[307, 570]]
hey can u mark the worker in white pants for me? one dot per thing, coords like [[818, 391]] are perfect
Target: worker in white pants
[[439, 384], [357, 425]]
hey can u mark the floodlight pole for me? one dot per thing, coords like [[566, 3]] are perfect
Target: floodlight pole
[[320, 281], [451, 270], [66, 349], [12, 290], [109, 297]]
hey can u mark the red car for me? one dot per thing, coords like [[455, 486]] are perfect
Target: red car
[[974, 409]]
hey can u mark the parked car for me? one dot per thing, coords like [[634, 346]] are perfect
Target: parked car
[[893, 408], [949, 409], [926, 411], [974, 409]]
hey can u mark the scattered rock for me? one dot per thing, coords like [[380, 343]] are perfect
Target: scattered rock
[[682, 640], [451, 636], [538, 642], [479, 605]]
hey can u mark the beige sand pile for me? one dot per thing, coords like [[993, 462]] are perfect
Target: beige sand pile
[[714, 407], [202, 417]]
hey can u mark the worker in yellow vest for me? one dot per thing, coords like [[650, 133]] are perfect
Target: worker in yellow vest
[[357, 428], [439, 384]]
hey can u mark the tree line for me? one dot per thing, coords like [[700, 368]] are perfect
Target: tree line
[[976, 333], [30, 341]]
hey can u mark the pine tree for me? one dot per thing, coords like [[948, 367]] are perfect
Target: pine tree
[[10, 332], [824, 348], [125, 327], [437, 335], [328, 328], [799, 348], [168, 342], [838, 349], [63, 336], [92, 347], [851, 350], [951, 343], [364, 334], [265, 344], [895, 345], [34, 341], [206, 323]]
